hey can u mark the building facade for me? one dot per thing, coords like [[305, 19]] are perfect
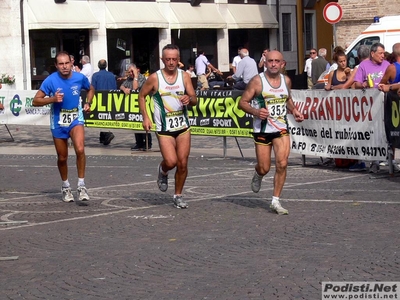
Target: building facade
[[135, 31]]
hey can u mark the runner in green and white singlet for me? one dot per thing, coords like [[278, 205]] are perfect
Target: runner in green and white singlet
[[171, 91], [170, 115], [270, 94]]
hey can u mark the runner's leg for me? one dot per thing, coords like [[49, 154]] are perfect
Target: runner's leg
[[281, 149], [78, 139], [61, 146], [182, 151], [168, 151]]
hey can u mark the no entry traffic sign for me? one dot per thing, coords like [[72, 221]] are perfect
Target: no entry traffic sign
[[333, 13]]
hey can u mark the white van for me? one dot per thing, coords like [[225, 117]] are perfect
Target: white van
[[385, 30]]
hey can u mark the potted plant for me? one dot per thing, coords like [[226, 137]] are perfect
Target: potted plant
[[7, 79]]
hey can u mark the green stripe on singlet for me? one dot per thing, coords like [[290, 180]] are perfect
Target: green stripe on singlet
[[159, 103]]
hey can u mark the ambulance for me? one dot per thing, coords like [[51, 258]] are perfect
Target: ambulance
[[385, 30]]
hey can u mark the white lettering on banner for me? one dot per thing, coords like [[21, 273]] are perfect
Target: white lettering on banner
[[340, 124], [222, 123], [104, 116], [135, 117], [193, 121]]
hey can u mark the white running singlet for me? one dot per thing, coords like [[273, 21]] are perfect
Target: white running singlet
[[274, 99], [169, 112]]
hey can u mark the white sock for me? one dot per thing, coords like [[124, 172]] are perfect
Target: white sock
[[275, 199], [81, 181], [162, 171], [259, 176], [65, 184]]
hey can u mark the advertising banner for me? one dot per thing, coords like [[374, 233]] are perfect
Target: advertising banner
[[216, 113], [340, 124], [18, 109], [392, 118]]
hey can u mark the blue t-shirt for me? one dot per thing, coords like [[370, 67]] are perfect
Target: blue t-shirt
[[71, 107]]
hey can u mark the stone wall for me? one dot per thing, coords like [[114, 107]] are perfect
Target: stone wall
[[358, 15]]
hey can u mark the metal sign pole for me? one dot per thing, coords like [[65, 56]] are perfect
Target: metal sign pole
[[334, 36]]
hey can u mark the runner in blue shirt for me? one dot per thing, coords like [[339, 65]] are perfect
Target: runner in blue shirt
[[62, 91]]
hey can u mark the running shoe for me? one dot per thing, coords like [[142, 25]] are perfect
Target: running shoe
[[162, 180], [67, 194], [179, 203], [256, 182], [277, 207], [82, 193]]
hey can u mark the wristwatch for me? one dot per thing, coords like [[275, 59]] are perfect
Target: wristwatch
[[135, 79]]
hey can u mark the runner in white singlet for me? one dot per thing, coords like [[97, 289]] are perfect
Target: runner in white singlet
[[172, 91], [170, 115], [270, 94]]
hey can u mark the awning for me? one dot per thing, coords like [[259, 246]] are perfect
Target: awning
[[250, 16], [46, 14], [134, 15], [185, 16]]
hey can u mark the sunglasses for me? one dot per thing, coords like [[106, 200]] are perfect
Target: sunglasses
[[313, 52]]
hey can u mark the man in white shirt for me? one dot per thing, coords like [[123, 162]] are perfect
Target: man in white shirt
[[202, 64], [87, 68], [236, 60], [307, 68], [246, 70]]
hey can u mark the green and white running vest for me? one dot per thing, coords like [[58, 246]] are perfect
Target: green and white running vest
[[274, 99], [169, 112]]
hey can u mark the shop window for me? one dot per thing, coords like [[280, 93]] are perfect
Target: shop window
[[45, 44], [309, 30], [286, 32]]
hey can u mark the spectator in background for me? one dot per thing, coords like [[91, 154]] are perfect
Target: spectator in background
[[261, 63], [190, 70], [236, 61], [389, 82], [338, 77], [104, 80], [307, 68], [246, 70], [336, 50], [135, 81], [73, 67], [373, 68], [87, 68], [202, 64], [214, 79], [362, 54], [319, 65], [392, 73]]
